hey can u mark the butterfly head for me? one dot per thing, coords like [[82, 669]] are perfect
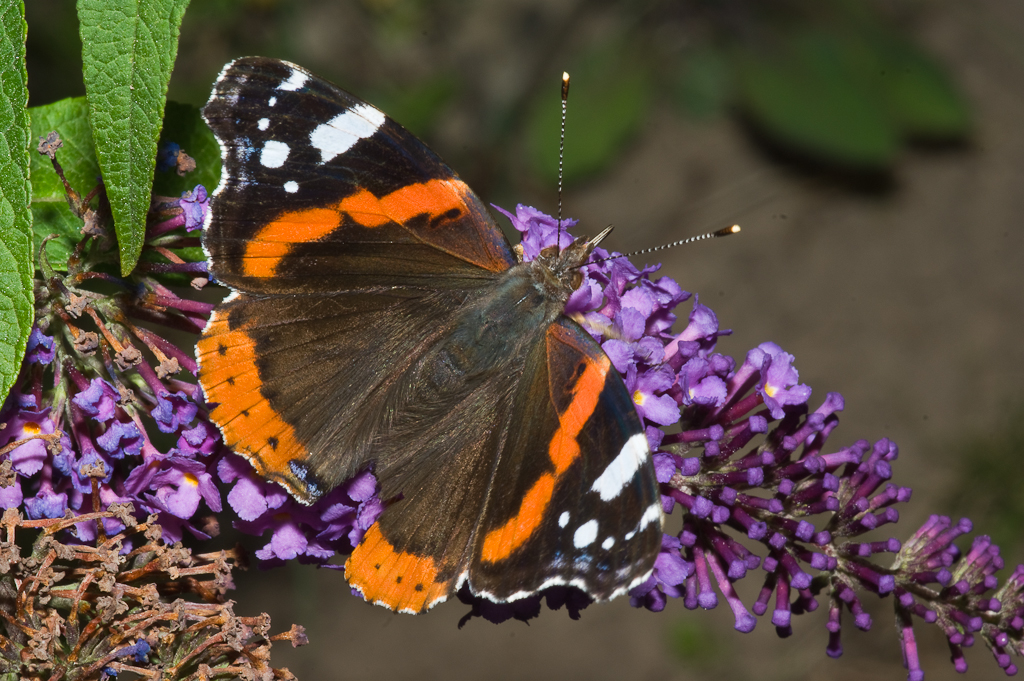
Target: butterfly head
[[562, 269]]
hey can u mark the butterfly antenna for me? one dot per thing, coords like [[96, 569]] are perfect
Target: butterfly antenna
[[561, 151], [725, 231]]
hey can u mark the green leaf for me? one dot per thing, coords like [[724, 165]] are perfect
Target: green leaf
[[852, 94], [16, 309], [184, 125], [128, 51], [51, 215], [810, 93], [920, 94], [611, 93]]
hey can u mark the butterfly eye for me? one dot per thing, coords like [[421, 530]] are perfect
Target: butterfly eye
[[577, 279]]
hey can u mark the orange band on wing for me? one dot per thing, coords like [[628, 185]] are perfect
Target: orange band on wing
[[500, 543], [397, 580], [251, 426], [271, 244], [433, 198], [274, 241], [563, 450]]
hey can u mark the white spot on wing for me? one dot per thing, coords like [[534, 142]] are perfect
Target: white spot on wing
[[563, 519], [263, 123], [291, 186], [294, 82], [608, 543], [337, 135], [585, 534], [272, 101], [651, 514], [623, 467], [274, 154]]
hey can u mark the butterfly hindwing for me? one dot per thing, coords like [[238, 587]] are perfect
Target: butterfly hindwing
[[522, 502], [574, 501]]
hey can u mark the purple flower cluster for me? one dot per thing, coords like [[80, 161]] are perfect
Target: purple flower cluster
[[751, 460], [311, 534], [959, 593], [98, 417]]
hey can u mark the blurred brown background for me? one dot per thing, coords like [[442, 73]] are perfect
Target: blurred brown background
[[873, 153]]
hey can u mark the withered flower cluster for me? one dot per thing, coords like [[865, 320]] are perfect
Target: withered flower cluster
[[75, 611]]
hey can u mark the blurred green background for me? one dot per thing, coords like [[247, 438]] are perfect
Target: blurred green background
[[873, 152]]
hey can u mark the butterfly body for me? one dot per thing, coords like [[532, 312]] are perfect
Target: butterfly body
[[380, 318]]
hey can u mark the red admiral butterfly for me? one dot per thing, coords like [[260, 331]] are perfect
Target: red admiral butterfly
[[380, 317]]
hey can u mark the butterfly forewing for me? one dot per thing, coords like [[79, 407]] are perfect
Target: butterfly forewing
[[379, 319], [329, 217], [322, 192]]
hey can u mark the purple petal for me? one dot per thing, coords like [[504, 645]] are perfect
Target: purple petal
[[631, 323], [173, 410], [46, 504], [195, 204], [247, 499], [11, 496], [288, 541], [664, 467], [40, 348], [120, 439], [98, 400], [362, 487], [619, 352], [660, 409]]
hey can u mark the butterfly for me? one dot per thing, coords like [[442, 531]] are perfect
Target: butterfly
[[379, 318]]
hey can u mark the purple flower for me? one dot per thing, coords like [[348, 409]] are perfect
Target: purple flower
[[778, 384], [589, 297], [82, 408], [670, 571], [195, 205], [46, 504], [746, 462], [697, 339], [288, 540], [699, 385], [173, 410], [24, 425], [98, 400], [120, 439], [335, 524], [647, 389], [11, 496], [203, 439], [539, 230], [188, 211], [40, 348], [137, 651], [88, 465], [182, 484], [250, 497]]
